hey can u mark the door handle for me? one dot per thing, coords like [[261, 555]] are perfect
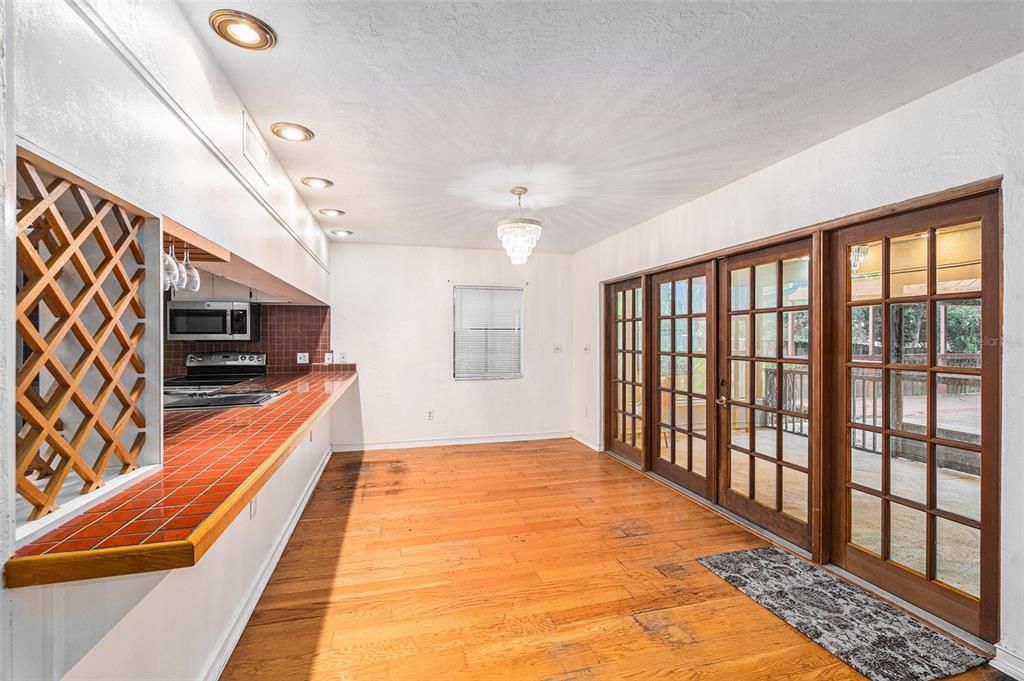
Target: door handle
[[721, 401]]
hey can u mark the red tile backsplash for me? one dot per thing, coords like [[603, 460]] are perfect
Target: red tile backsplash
[[284, 331]]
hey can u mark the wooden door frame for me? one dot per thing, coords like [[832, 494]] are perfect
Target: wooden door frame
[[821, 391], [985, 186], [984, 619]]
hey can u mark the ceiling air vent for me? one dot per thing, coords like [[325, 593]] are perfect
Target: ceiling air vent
[[254, 148]]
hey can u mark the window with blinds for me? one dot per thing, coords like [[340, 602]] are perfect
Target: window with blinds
[[488, 332]]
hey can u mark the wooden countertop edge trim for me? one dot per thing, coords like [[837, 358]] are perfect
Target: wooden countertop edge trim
[[94, 563], [128, 560]]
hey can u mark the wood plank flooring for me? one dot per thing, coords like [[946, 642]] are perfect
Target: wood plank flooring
[[529, 560]]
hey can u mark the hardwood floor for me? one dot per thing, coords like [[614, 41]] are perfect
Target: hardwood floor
[[530, 560]]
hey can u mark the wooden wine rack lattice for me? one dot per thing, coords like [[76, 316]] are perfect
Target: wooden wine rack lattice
[[80, 321]]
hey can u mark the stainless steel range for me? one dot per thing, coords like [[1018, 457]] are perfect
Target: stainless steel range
[[218, 379]]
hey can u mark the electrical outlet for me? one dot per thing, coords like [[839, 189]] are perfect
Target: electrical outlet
[[302, 357], [430, 414], [586, 348], [328, 358], [342, 357], [556, 348]]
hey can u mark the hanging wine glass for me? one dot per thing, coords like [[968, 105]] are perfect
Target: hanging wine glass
[[182, 274], [191, 273], [169, 266]]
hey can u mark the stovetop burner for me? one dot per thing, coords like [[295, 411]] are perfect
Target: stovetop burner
[[205, 381], [208, 373], [217, 401]]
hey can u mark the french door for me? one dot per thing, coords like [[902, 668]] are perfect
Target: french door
[[624, 370], [764, 388], [685, 337], [893, 471], [915, 495]]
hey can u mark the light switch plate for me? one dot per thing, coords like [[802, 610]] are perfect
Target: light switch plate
[[557, 347], [302, 357]]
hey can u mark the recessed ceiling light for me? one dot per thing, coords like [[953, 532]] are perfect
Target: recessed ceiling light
[[242, 30], [317, 182], [341, 232], [332, 212], [293, 132]]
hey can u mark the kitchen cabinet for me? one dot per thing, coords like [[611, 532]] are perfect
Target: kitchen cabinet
[[216, 287]]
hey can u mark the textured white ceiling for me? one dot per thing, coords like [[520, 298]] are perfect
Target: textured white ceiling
[[426, 113]]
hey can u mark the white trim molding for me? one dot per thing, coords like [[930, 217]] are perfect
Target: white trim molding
[[444, 441], [8, 351], [584, 440], [102, 29], [1009, 662]]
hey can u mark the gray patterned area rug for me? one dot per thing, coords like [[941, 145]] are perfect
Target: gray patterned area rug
[[866, 633]]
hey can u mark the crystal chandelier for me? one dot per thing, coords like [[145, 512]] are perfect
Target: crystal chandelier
[[519, 235], [857, 255]]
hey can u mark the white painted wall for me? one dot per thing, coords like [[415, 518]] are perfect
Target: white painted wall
[[178, 624], [133, 102], [392, 315], [7, 347], [970, 130]]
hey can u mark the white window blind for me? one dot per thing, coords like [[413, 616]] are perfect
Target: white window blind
[[488, 332]]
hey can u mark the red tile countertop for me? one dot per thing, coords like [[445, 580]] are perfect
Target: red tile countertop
[[215, 460]]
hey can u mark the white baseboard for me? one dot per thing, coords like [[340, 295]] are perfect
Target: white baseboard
[[586, 441], [1009, 662], [227, 644], [442, 441]]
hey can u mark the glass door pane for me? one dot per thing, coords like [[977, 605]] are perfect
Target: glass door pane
[[925, 408], [929, 409]]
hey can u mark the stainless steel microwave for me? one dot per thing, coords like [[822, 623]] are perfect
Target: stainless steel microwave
[[213, 321]]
